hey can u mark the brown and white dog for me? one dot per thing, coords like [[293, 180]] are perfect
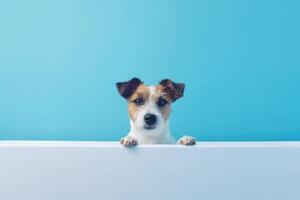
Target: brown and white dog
[[149, 110]]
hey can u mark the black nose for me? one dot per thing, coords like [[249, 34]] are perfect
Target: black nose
[[150, 119]]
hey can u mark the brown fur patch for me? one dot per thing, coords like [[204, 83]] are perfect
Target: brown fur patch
[[141, 92], [166, 109], [161, 91]]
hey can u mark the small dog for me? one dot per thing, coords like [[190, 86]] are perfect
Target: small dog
[[149, 110]]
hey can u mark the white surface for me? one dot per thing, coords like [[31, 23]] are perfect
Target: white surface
[[105, 170]]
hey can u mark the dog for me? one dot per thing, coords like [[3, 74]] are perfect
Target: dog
[[149, 111]]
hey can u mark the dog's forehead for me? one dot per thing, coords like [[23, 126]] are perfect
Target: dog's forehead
[[152, 90], [147, 92]]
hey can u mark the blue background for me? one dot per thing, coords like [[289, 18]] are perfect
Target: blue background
[[60, 59]]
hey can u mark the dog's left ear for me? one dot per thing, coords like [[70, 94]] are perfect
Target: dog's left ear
[[173, 90], [127, 88]]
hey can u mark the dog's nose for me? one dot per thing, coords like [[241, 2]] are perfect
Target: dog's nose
[[150, 119]]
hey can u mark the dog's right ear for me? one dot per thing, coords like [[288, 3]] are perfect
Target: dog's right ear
[[127, 88]]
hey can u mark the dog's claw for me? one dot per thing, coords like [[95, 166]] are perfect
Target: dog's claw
[[187, 140], [128, 141]]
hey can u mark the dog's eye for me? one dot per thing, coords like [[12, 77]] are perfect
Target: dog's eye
[[138, 101], [161, 102]]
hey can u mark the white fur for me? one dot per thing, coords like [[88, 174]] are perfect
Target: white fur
[[160, 134]]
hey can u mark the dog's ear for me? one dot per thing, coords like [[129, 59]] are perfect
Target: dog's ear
[[172, 89], [127, 88]]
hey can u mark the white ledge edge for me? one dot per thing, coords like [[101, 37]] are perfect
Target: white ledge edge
[[111, 144]]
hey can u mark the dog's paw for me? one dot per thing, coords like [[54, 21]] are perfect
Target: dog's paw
[[187, 140], [128, 141]]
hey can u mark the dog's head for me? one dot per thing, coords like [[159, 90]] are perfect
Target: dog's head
[[150, 106]]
